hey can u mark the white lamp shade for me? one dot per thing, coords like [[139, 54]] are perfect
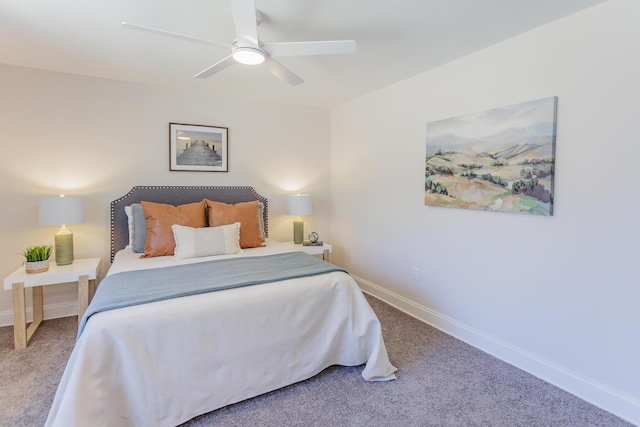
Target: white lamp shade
[[299, 204], [60, 210]]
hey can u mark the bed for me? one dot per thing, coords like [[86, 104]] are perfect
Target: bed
[[163, 362]]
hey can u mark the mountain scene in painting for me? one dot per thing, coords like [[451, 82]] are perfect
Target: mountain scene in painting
[[497, 160]]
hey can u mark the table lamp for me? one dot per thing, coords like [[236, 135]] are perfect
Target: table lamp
[[298, 204], [61, 211]]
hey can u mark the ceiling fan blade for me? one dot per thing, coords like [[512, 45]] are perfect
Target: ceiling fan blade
[[215, 68], [244, 19], [282, 72], [175, 35], [336, 47]]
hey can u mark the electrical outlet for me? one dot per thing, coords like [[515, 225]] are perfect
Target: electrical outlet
[[415, 273]]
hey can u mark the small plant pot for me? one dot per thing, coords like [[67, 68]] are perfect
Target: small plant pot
[[36, 266]]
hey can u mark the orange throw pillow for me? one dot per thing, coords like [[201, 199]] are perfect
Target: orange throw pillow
[[160, 217], [246, 213]]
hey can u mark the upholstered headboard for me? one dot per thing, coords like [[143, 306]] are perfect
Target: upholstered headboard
[[178, 195]]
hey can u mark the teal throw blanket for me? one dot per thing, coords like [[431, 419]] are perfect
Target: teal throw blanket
[[143, 286]]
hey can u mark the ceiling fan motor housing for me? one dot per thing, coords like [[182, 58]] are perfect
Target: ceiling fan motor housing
[[248, 55]]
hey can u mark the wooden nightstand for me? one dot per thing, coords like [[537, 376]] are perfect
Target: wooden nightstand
[[83, 271], [324, 250]]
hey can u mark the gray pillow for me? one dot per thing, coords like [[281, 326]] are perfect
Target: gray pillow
[[138, 227], [261, 219]]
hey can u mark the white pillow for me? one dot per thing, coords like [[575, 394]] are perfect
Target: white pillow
[[206, 241]]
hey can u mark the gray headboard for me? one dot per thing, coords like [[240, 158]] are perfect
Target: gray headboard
[[178, 195]]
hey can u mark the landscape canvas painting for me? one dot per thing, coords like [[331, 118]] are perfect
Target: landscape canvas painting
[[498, 160]]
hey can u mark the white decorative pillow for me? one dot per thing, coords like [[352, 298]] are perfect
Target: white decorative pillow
[[206, 241]]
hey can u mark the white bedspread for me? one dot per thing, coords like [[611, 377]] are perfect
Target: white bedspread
[[163, 363]]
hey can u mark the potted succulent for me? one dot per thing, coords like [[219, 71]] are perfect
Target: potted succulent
[[37, 258]]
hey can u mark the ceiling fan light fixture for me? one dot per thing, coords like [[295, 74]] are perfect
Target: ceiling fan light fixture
[[248, 55]]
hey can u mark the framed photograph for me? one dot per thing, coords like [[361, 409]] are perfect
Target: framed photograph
[[198, 148]]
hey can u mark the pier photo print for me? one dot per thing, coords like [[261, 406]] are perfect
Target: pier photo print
[[198, 148]]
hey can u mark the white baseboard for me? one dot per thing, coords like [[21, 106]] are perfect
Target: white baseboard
[[52, 311], [610, 400]]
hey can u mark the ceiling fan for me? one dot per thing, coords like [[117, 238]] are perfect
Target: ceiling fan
[[248, 49]]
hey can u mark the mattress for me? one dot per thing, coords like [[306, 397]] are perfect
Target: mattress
[[163, 363]]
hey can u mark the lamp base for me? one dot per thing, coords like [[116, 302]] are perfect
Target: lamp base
[[64, 247], [298, 231]]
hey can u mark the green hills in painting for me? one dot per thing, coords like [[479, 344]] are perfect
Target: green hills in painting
[[509, 177]]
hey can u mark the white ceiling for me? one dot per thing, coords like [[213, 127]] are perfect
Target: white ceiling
[[396, 39]]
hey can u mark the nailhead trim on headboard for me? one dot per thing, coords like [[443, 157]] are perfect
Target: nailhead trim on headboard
[[176, 195]]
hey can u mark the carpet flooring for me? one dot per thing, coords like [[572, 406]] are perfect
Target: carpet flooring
[[441, 382]]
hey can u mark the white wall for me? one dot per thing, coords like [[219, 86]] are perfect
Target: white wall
[[557, 296], [98, 138]]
